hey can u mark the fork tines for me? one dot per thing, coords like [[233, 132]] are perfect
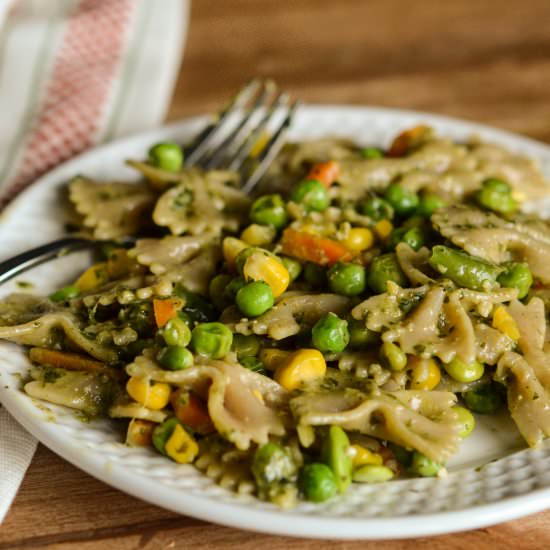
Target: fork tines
[[247, 132]]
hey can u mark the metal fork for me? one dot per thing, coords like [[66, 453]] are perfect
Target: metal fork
[[227, 142]]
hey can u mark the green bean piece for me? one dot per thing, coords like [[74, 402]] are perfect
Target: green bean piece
[[372, 473], [463, 372], [360, 336], [335, 454], [372, 153], [429, 204], [217, 291], [255, 298], [176, 333], [175, 358], [516, 275], [423, 466], [211, 340], [163, 432], [402, 455], [317, 482], [312, 194], [347, 279], [293, 266], [272, 463], [464, 270], [376, 209], [330, 334], [496, 195], [65, 293], [403, 201], [166, 156], [245, 346], [486, 399], [269, 210], [385, 268], [392, 356], [315, 275], [466, 420]]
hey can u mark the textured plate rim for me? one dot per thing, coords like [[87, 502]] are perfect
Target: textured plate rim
[[240, 515]]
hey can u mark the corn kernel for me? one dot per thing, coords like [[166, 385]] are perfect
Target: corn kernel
[[231, 248], [504, 322], [153, 395], [93, 277], [383, 228], [358, 239], [258, 235], [260, 267], [302, 366], [181, 446], [425, 373], [273, 357], [361, 456]]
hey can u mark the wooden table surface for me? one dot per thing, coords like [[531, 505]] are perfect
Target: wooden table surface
[[485, 60]]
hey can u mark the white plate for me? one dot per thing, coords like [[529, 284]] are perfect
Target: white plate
[[512, 483]]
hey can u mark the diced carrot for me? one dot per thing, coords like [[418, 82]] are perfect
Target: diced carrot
[[312, 248], [140, 433], [192, 411], [325, 172], [165, 310], [407, 140], [68, 360]]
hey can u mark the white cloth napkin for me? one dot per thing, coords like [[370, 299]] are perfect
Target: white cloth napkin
[[74, 73]]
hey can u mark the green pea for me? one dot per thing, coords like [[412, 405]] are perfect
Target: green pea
[[335, 454], [212, 340], [347, 279], [166, 156], [516, 275], [402, 455], [485, 399], [466, 420], [312, 194], [234, 286], [496, 195], [414, 237], [163, 432], [403, 201], [186, 318], [423, 466], [360, 336], [372, 153], [294, 267], [429, 204], [217, 290], [330, 334], [315, 275], [463, 269], [176, 333], [463, 372], [175, 358], [254, 298], [245, 346], [269, 210], [253, 364], [317, 482], [372, 473], [392, 356], [272, 463], [65, 293], [376, 208], [385, 268]]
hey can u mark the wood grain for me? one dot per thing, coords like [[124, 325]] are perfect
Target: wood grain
[[483, 60]]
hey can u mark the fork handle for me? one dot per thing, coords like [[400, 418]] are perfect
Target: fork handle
[[23, 262]]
